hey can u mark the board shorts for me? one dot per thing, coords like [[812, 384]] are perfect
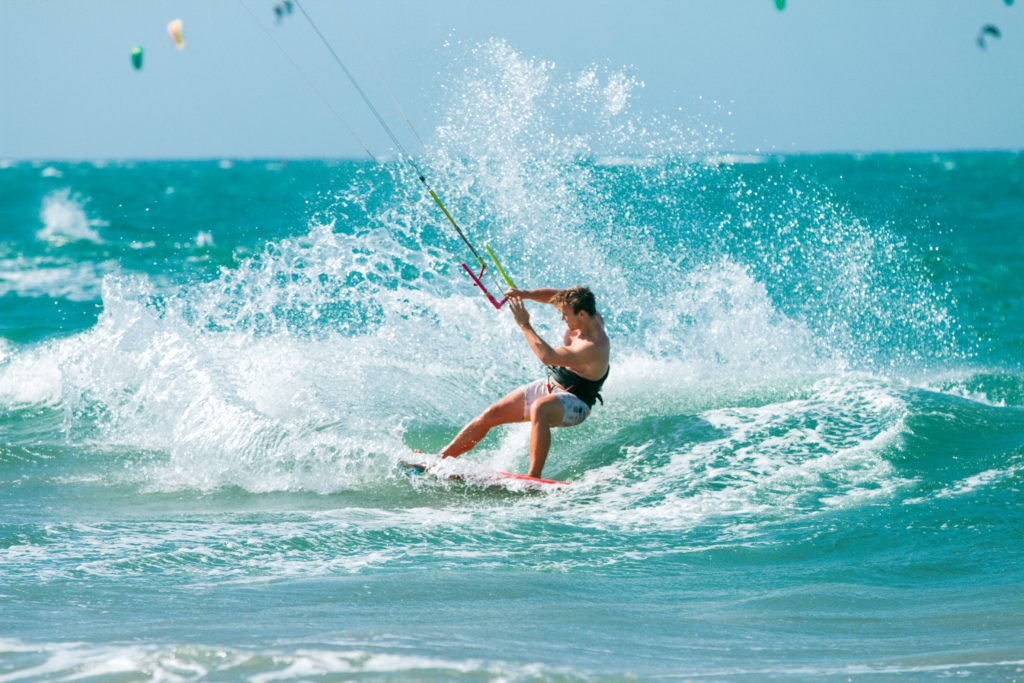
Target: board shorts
[[576, 411]]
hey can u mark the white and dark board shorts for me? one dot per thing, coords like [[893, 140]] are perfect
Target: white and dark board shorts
[[576, 411]]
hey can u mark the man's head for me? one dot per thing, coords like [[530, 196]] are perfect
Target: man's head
[[577, 299]]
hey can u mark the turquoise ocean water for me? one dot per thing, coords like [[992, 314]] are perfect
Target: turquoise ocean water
[[808, 466]]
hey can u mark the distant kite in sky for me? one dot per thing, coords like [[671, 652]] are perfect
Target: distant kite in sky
[[282, 9], [988, 30], [174, 30], [781, 4], [137, 57]]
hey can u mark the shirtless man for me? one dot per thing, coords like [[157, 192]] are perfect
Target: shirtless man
[[577, 370]]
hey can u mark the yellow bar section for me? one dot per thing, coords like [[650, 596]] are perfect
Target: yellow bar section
[[501, 270]]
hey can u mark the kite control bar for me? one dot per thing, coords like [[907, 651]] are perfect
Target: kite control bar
[[478, 279]]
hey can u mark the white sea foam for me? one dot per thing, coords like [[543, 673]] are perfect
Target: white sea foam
[[55, 277], [31, 377], [155, 662], [735, 159], [820, 451], [64, 219], [977, 481]]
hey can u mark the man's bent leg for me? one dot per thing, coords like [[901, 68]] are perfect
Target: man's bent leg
[[545, 414], [508, 409]]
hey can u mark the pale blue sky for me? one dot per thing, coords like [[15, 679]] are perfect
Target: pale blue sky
[[823, 75]]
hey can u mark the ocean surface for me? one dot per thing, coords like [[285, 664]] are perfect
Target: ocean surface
[[808, 466]]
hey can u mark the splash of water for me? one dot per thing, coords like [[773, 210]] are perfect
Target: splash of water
[[307, 366], [64, 219]]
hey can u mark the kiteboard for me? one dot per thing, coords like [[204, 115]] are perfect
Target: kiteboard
[[479, 475]]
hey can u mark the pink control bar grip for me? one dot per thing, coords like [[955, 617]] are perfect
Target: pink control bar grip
[[476, 279]]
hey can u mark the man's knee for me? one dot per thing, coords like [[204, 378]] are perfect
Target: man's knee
[[548, 410]]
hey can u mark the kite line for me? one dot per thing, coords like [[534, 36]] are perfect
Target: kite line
[[403, 154]]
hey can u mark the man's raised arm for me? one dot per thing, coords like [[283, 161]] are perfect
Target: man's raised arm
[[543, 296]]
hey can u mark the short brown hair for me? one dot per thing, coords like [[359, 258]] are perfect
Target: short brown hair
[[579, 297]]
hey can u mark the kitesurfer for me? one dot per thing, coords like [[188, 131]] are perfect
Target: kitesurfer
[[174, 30], [281, 9], [577, 370], [988, 30], [137, 57]]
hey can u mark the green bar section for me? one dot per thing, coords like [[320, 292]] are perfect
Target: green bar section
[[501, 270]]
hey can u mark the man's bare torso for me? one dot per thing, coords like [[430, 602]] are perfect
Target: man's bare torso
[[576, 340]]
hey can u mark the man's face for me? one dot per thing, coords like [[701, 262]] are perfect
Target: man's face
[[572, 319]]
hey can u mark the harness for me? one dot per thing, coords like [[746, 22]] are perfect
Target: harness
[[587, 390]]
